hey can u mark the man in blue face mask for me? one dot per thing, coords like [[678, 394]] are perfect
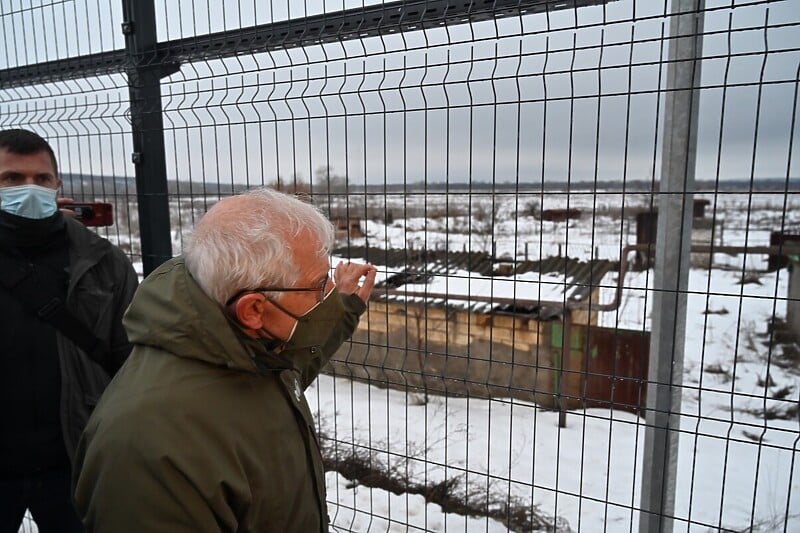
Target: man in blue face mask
[[48, 384]]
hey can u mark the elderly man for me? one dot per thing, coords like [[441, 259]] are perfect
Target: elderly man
[[206, 428], [63, 290]]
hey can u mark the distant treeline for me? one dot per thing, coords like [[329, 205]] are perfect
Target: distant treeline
[[80, 185], [87, 185], [756, 185]]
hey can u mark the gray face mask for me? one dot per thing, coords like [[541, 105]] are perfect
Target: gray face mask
[[316, 327]]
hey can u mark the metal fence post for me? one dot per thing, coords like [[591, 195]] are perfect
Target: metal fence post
[[671, 277], [144, 82]]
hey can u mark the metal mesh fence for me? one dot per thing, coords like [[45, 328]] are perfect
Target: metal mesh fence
[[507, 167]]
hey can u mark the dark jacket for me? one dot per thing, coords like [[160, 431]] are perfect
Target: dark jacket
[[101, 285], [203, 429]]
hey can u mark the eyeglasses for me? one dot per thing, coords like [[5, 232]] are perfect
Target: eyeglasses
[[320, 290]]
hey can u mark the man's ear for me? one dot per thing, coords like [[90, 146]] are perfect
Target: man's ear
[[249, 309]]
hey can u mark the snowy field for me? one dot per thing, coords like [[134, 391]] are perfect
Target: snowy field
[[739, 437], [510, 222], [737, 465], [736, 469]]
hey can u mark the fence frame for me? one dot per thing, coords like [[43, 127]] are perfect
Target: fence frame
[[145, 61], [671, 272]]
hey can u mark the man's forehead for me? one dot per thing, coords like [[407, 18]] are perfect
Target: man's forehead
[[39, 161]]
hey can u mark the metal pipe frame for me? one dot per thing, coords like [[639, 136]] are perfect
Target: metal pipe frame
[[349, 24]]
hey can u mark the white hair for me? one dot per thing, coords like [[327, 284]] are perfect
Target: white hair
[[247, 241]]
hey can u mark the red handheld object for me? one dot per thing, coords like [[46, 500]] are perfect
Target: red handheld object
[[92, 213]]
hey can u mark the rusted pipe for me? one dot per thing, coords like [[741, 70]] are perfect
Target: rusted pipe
[[566, 345]]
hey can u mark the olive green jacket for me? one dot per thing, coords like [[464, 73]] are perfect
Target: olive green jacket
[[203, 429]]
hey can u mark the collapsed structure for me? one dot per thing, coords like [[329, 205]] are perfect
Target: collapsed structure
[[532, 345]]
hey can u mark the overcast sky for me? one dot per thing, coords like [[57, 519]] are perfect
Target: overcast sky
[[573, 95]]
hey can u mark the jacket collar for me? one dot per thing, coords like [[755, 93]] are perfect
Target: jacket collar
[[170, 311]]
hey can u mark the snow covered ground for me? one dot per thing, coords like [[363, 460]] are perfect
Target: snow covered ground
[[736, 469], [739, 430]]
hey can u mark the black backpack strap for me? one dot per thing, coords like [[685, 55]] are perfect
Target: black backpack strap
[[21, 281]]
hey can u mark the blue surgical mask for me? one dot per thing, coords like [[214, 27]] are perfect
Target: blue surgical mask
[[29, 201]]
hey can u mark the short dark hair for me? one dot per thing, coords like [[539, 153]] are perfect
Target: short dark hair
[[24, 142]]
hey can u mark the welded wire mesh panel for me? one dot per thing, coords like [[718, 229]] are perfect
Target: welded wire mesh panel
[[84, 119], [503, 165], [37, 31], [503, 175]]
